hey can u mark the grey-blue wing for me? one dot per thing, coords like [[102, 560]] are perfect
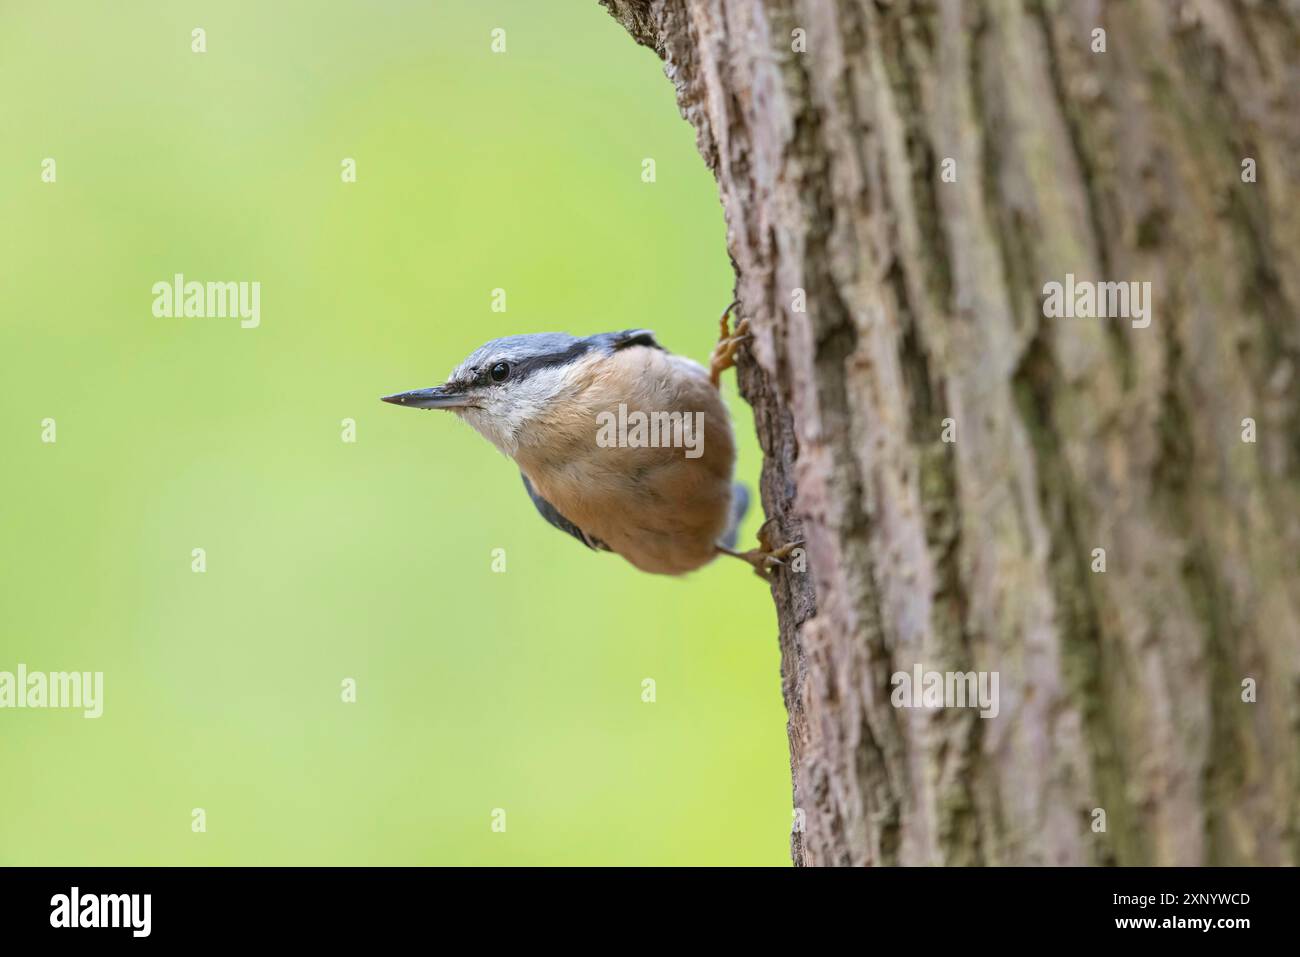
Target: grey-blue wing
[[552, 515], [739, 506]]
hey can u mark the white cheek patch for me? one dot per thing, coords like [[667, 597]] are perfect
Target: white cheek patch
[[506, 412], [487, 425]]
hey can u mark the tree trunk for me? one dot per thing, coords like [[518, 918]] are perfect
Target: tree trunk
[[954, 454]]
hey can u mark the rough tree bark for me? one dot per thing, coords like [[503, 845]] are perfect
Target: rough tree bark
[[1120, 690]]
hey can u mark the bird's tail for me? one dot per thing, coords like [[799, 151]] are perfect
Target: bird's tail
[[739, 506]]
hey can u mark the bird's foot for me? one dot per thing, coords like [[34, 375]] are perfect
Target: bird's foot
[[766, 558], [724, 353]]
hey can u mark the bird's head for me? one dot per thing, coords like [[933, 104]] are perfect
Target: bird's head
[[509, 385]]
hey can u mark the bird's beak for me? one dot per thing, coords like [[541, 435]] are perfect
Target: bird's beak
[[439, 397]]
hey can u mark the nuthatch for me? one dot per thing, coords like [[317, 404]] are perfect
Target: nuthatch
[[560, 406]]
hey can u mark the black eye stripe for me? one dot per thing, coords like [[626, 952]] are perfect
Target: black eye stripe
[[480, 374], [522, 368]]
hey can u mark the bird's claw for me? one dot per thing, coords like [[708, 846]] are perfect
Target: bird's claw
[[765, 561], [766, 557], [724, 353]]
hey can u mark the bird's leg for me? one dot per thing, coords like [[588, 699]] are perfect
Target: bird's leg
[[724, 353], [766, 557]]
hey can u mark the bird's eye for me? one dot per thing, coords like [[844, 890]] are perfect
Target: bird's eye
[[500, 372]]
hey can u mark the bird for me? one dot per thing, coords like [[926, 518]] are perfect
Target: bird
[[622, 444]]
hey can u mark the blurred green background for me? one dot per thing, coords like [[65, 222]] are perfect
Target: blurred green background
[[328, 560]]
